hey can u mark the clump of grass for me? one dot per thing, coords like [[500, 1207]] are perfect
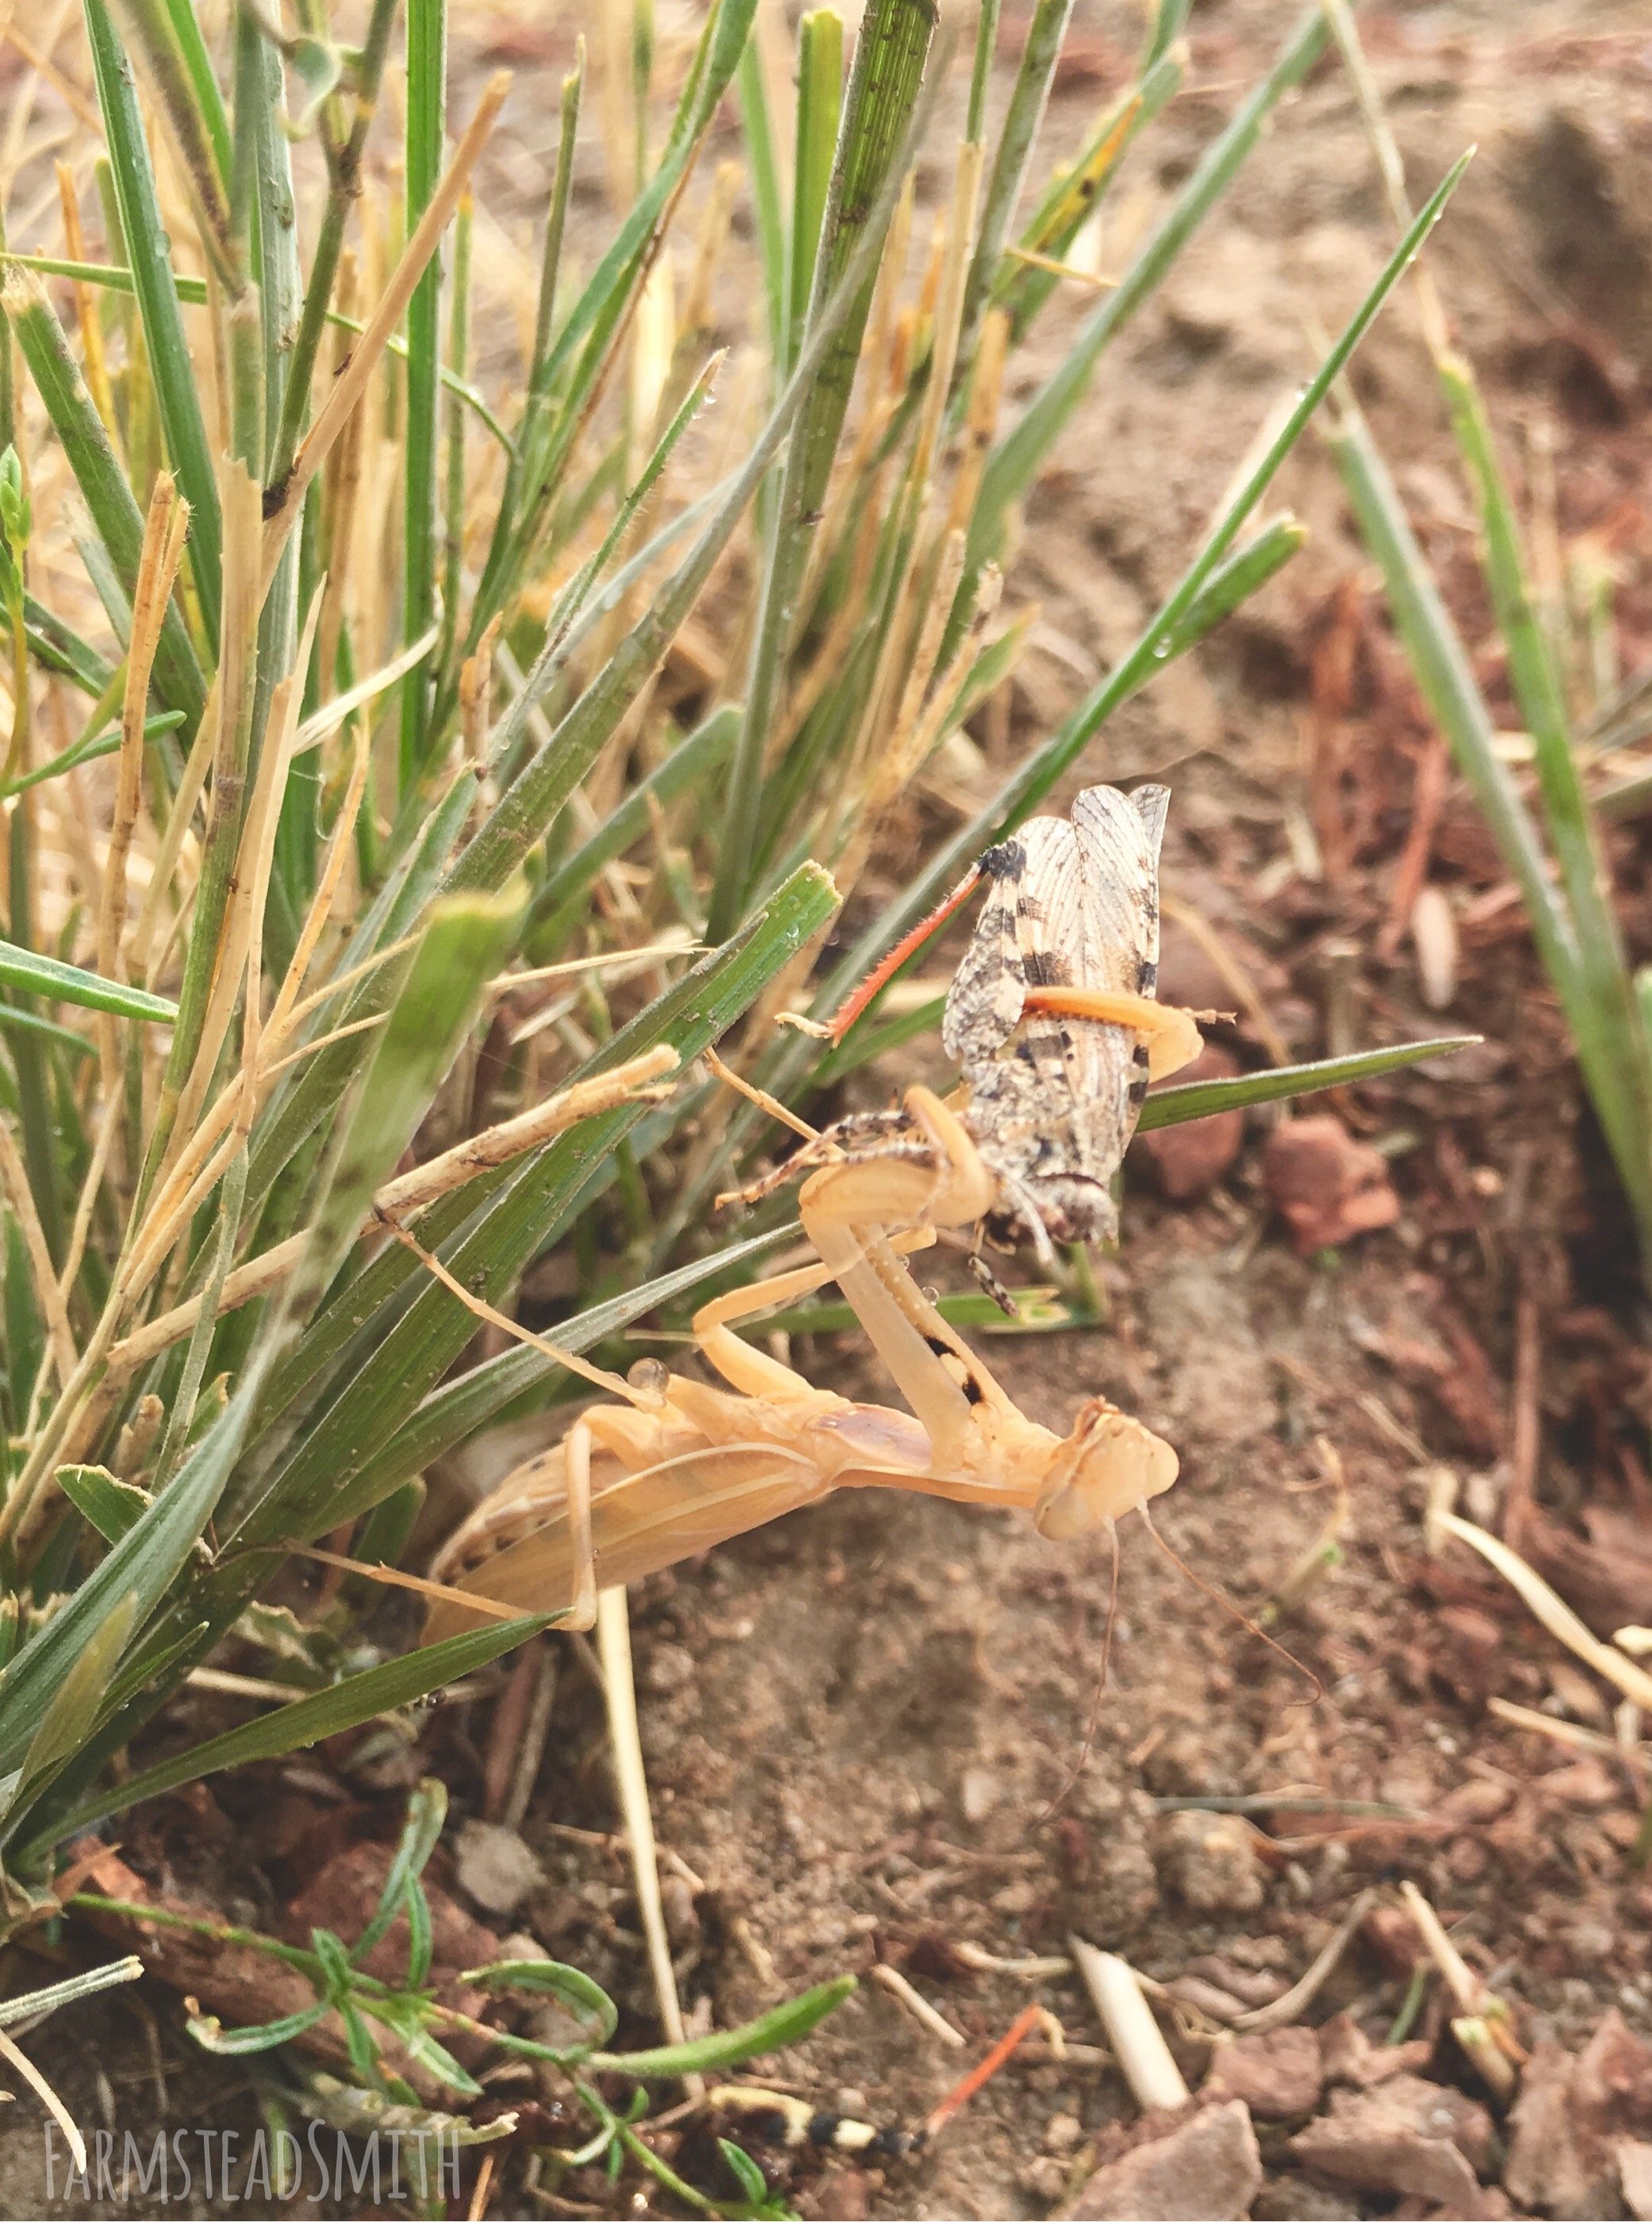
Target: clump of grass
[[1549, 829], [386, 757]]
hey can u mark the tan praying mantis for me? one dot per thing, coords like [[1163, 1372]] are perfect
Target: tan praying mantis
[[1054, 1020]]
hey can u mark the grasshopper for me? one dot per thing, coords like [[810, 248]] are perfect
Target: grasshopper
[[1054, 1020]]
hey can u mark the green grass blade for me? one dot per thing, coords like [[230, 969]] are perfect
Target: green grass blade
[[454, 1409], [768, 199], [1026, 787], [145, 1565], [561, 903], [55, 644], [1538, 689], [785, 2024], [875, 132], [63, 1724], [172, 368], [1444, 672], [30, 1022], [87, 751], [516, 1220], [296, 1727], [1019, 456], [50, 977], [1201, 1099], [462, 947], [819, 108], [98, 471], [187, 32], [1022, 118], [1243, 573], [427, 80]]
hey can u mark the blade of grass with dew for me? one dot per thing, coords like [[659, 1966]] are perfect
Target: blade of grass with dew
[[50, 977], [878, 112], [173, 372], [114, 508]]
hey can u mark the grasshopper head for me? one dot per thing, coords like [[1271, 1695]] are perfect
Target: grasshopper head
[[1108, 1467]]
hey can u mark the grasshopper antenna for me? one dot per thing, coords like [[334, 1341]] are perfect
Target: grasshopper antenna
[[1220, 1597]]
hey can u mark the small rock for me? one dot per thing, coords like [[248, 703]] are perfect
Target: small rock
[[1212, 1864], [845, 2195], [495, 1868], [1063, 2133], [979, 1793], [1407, 2138], [669, 1667], [1326, 1186], [1210, 2166], [1348, 2055], [1635, 2174], [1190, 1158], [1277, 2074], [1045, 2177], [1299, 2198], [681, 1917], [1572, 2114]]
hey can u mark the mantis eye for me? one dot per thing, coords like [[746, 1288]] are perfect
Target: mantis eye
[[650, 1379]]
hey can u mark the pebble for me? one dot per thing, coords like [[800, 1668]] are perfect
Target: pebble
[[1211, 1864], [495, 1868], [1063, 2133], [979, 1793]]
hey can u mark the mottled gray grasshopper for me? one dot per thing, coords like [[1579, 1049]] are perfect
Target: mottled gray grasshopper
[[1053, 1021]]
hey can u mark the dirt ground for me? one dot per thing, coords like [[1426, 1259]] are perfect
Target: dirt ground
[[856, 1722]]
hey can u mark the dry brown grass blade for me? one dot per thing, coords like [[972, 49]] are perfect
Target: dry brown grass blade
[[14, 1185], [624, 1732], [351, 381]]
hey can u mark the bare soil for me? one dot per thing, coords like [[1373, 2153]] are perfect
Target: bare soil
[[857, 1722]]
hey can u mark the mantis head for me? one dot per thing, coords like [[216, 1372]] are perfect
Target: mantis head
[[1108, 1467]]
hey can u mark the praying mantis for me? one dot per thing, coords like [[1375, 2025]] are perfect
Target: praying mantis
[[1054, 1021]]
